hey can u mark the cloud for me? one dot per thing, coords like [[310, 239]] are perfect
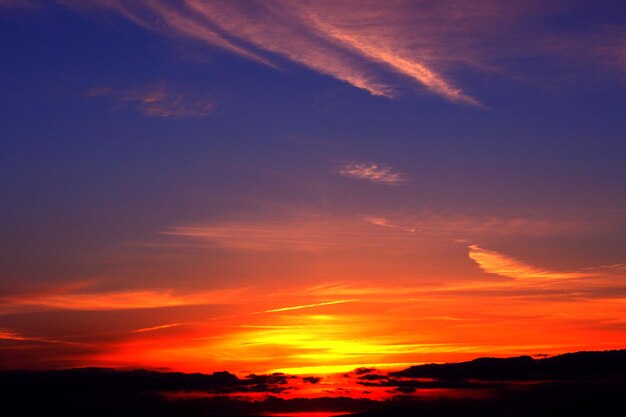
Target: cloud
[[608, 268], [361, 43], [118, 300], [156, 328], [385, 49], [13, 336], [311, 379], [471, 225], [104, 392], [290, 233], [371, 171], [381, 221], [94, 380], [8, 335], [496, 263], [383, 52], [300, 307], [157, 101], [260, 236], [295, 231]]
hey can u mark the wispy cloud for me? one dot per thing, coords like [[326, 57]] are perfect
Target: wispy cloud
[[157, 101], [608, 268], [382, 50], [16, 337], [10, 335], [385, 49], [362, 43], [289, 233], [292, 230], [371, 171], [118, 300], [383, 222], [496, 263], [157, 328], [461, 224], [306, 306]]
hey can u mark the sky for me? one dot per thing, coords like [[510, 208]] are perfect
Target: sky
[[309, 186]]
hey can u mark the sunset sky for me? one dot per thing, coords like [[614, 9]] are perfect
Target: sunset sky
[[310, 186]]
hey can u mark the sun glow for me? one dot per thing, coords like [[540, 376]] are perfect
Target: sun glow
[[381, 330]]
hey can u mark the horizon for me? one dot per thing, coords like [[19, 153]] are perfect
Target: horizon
[[390, 368], [482, 381], [310, 187]]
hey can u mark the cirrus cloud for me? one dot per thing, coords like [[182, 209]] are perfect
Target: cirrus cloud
[[157, 101], [371, 171], [363, 44], [493, 262]]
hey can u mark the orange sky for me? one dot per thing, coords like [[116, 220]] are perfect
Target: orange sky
[[508, 307]]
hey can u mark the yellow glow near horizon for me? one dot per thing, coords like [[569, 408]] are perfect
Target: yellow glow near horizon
[[334, 369]]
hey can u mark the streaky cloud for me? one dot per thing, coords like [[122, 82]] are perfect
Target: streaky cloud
[[291, 233], [116, 300], [9, 335], [406, 66], [384, 48], [496, 263], [360, 43], [157, 328], [300, 307]]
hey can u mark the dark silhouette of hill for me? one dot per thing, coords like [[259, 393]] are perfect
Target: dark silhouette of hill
[[570, 365], [576, 384]]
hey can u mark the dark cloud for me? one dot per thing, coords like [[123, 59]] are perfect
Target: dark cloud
[[312, 379], [372, 377], [572, 384], [407, 385], [571, 398], [87, 381]]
